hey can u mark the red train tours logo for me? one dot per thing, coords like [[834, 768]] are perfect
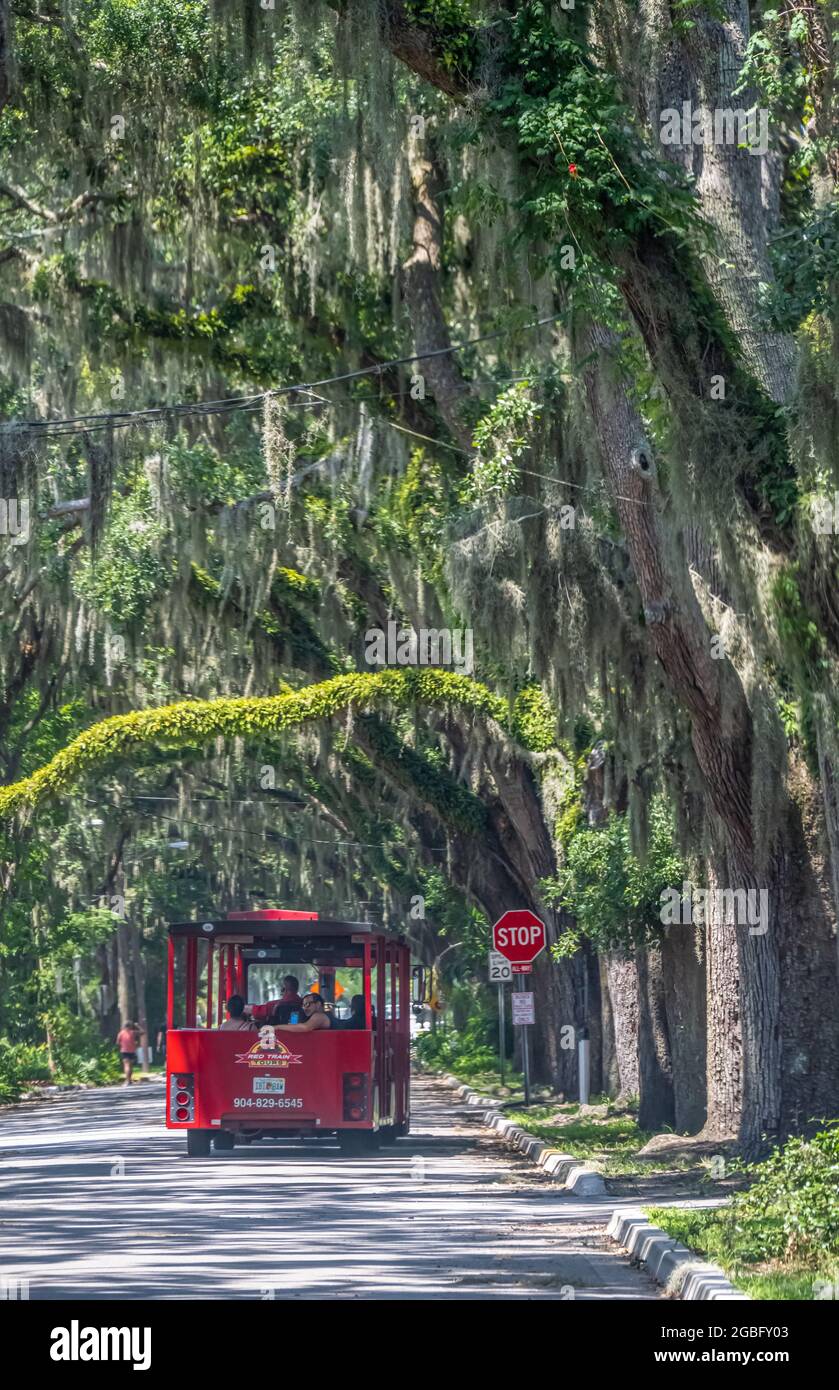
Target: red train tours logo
[[268, 1051]]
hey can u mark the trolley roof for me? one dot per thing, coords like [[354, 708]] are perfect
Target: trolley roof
[[276, 924]]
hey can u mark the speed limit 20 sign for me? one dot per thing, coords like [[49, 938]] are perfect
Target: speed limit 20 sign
[[500, 969], [519, 936]]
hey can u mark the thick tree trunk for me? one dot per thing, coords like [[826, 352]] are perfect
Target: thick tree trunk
[[124, 973], [106, 1005], [679, 320], [806, 924], [622, 983], [5, 53], [557, 989], [610, 1080], [592, 1018], [420, 281], [739, 192], [655, 1068], [520, 832], [724, 1032], [722, 737], [683, 970], [827, 744]]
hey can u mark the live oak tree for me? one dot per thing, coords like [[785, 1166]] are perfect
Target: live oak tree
[[617, 485]]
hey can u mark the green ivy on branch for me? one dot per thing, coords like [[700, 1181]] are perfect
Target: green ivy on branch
[[122, 739]]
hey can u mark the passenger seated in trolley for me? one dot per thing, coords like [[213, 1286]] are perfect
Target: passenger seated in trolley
[[356, 1018], [236, 1020], [316, 1017], [278, 1010]]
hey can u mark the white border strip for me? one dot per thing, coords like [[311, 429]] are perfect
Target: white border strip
[[669, 1262], [575, 1176]]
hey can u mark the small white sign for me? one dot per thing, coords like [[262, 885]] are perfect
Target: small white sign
[[500, 969], [523, 1012]]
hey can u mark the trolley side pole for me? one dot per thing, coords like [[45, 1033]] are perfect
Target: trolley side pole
[[170, 984]]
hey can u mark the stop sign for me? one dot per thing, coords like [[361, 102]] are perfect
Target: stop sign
[[520, 936]]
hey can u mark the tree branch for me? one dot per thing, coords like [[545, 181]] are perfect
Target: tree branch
[[21, 199], [421, 275]]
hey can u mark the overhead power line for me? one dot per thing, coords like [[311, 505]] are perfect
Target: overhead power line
[[120, 419], [267, 833]]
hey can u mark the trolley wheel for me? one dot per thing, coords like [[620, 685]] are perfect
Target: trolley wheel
[[358, 1141], [223, 1140], [198, 1142], [388, 1134]]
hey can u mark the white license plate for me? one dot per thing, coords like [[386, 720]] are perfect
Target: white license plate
[[268, 1085]]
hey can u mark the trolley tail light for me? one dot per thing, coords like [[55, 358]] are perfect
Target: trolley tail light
[[182, 1098], [356, 1095]]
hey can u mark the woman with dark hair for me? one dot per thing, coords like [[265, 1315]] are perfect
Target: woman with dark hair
[[357, 1018], [236, 1022]]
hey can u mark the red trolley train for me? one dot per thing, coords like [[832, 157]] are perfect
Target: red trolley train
[[351, 1080]]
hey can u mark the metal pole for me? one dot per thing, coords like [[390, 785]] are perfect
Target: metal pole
[[525, 1047], [583, 1066], [502, 1032]]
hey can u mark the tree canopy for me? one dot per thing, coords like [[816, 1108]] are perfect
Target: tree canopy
[[323, 317]]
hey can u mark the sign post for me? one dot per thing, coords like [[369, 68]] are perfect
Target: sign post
[[523, 1017], [501, 972], [583, 1066], [520, 936], [502, 1033]]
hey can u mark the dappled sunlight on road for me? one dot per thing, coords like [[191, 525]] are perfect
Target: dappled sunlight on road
[[100, 1201]]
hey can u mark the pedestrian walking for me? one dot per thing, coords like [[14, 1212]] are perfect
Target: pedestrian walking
[[128, 1040]]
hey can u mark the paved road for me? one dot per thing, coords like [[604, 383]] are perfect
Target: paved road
[[98, 1200]]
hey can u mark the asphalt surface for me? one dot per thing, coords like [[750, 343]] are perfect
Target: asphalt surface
[[99, 1201]]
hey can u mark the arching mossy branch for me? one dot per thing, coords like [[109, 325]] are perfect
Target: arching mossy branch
[[122, 739]]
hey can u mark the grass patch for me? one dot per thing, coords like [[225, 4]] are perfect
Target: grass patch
[[715, 1235], [779, 1238], [611, 1144], [488, 1081]]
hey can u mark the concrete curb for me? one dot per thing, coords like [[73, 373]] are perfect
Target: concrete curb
[[670, 1263], [575, 1176]]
